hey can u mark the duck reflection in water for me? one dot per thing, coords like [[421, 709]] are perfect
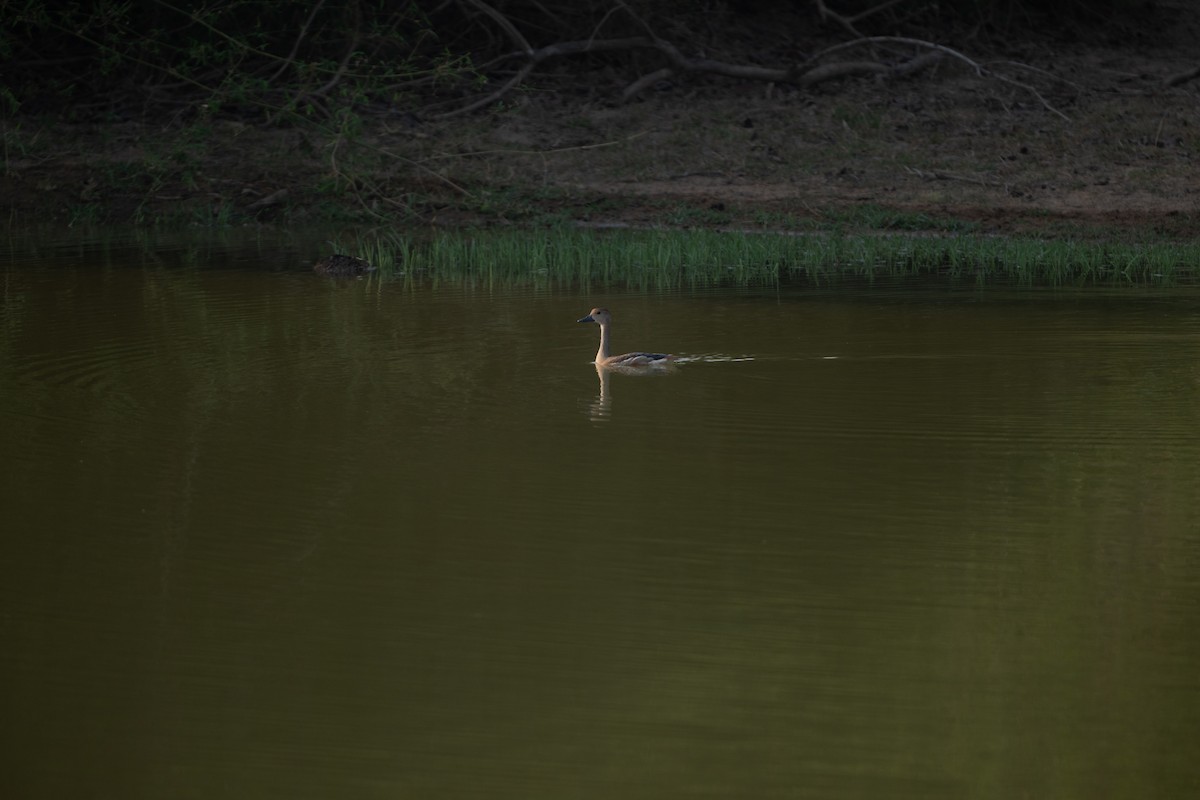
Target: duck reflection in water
[[635, 363]]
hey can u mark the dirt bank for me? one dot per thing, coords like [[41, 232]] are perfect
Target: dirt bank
[[1103, 148]]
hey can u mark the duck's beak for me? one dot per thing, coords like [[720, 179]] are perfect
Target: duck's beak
[[588, 318]]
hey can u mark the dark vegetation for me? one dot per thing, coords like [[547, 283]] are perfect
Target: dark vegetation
[[288, 62], [448, 111]]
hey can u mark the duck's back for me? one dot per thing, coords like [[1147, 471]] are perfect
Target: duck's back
[[638, 359]]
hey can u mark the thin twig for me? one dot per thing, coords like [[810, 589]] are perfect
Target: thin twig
[[353, 184], [522, 73], [1043, 72], [437, 175], [504, 23], [552, 151], [826, 13], [291, 57], [345, 63], [847, 22], [874, 10], [950, 176]]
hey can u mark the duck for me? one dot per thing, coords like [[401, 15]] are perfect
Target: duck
[[343, 265], [603, 318]]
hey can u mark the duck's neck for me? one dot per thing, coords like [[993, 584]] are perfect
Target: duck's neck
[[602, 353]]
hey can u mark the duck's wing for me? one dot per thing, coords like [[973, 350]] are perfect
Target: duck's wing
[[639, 359]]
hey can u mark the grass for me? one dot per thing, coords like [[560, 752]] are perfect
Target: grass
[[662, 259]]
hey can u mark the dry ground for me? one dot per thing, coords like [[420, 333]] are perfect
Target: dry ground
[[942, 145]]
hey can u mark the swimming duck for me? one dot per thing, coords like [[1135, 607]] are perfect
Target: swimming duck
[[603, 318], [339, 264]]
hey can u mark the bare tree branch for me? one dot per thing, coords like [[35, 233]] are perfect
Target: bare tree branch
[[979, 69], [1044, 73], [837, 48], [522, 73], [805, 74], [825, 14], [645, 82], [868, 12], [291, 57], [518, 38], [345, 62]]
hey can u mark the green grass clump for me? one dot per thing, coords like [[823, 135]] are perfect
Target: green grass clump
[[661, 259]]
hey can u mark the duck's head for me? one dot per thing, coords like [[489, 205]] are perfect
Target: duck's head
[[600, 316]]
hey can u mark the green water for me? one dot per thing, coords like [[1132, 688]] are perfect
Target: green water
[[271, 535]]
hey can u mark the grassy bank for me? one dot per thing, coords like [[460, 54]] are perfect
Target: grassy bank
[[662, 259]]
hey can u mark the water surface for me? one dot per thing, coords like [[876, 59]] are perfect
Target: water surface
[[274, 535]]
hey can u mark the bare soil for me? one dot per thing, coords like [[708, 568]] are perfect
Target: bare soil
[[942, 147]]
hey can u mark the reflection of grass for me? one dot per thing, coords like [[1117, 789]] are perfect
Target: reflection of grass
[[84, 214], [669, 258], [13, 143]]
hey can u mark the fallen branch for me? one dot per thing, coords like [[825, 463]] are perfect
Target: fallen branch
[[802, 75], [510, 151], [274, 198], [645, 82], [980, 70], [806, 74], [950, 176], [1183, 77]]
